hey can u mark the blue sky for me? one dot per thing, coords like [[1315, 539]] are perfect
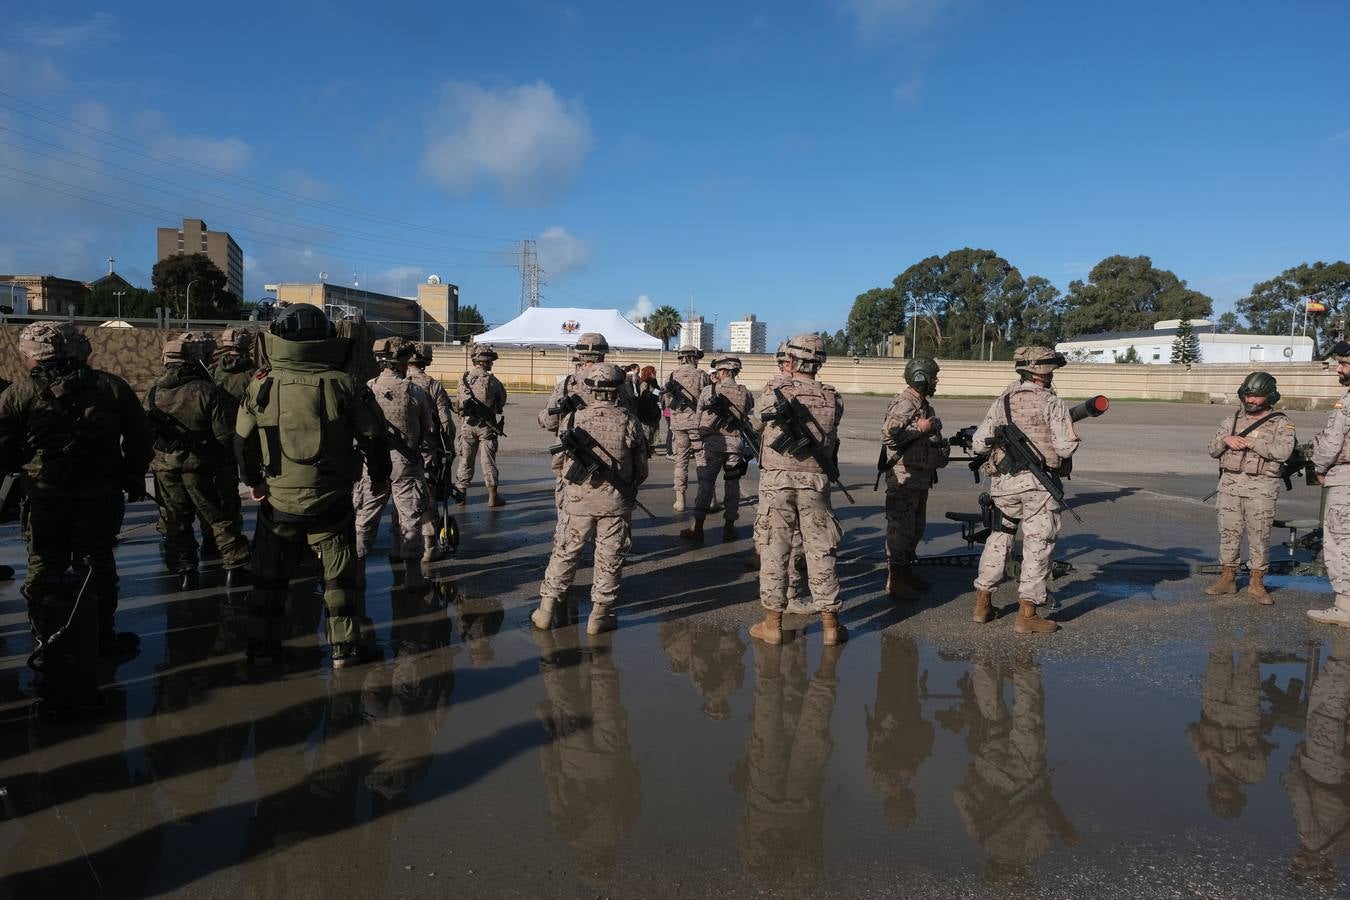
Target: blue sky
[[768, 158]]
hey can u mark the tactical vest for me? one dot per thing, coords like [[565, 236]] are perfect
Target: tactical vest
[[693, 380], [739, 399], [608, 424], [1030, 404], [478, 383], [74, 431], [925, 453], [1245, 461], [1343, 458], [401, 408], [301, 409], [821, 401]]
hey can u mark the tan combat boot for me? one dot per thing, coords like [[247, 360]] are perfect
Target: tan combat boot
[[1256, 588], [770, 631], [831, 630], [695, 531], [897, 583], [1227, 583], [728, 532], [984, 606], [1030, 623], [679, 501], [542, 618], [494, 499], [602, 620]]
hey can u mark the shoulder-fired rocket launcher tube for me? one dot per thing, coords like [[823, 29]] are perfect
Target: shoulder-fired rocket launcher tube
[[1090, 408]]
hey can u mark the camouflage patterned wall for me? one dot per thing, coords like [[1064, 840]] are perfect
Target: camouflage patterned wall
[[132, 353]]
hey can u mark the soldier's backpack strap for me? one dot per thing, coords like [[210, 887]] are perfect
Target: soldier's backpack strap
[[1258, 423]]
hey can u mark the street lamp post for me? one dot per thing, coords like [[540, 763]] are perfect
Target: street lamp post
[[119, 295], [187, 307]]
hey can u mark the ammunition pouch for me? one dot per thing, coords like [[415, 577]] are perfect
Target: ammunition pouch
[[732, 472]]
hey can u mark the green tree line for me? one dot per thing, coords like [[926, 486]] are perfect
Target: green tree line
[[970, 303]]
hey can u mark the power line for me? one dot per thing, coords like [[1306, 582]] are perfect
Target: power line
[[197, 168]]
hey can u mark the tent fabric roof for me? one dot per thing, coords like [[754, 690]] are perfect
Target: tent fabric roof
[[561, 326]]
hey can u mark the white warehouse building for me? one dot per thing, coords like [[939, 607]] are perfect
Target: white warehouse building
[[1154, 347]]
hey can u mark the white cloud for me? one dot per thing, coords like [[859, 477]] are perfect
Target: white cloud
[[525, 139], [49, 35], [641, 309], [229, 154], [561, 252], [876, 19]]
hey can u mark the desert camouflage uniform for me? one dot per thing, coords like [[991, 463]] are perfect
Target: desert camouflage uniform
[[1318, 782], [899, 738], [721, 449], [408, 409], [910, 479], [712, 657], [476, 440], [688, 443], [445, 423], [794, 496], [1331, 457], [191, 485], [782, 834], [1248, 484], [596, 510], [1039, 412], [797, 556], [1006, 798], [1227, 740]]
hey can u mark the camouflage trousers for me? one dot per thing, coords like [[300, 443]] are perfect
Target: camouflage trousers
[[282, 547], [61, 532], [1336, 542], [411, 501], [612, 536], [791, 502], [906, 518], [716, 462], [1254, 515], [188, 496], [475, 444], [1039, 519], [688, 444]]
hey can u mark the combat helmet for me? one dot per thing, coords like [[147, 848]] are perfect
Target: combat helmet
[[730, 364], [189, 347], [921, 374], [483, 351], [303, 322], [807, 352], [237, 340], [604, 379], [1037, 360], [688, 351], [1258, 384], [591, 347], [78, 347], [422, 353], [390, 351], [44, 342]]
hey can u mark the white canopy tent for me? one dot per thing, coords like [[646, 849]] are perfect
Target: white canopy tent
[[561, 326]]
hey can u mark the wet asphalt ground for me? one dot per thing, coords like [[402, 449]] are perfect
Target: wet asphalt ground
[[1161, 744]]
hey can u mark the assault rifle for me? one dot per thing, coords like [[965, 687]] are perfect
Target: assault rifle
[[1021, 455], [884, 465], [177, 437], [1299, 461], [796, 437], [587, 463], [476, 409], [727, 417], [568, 403], [682, 399]]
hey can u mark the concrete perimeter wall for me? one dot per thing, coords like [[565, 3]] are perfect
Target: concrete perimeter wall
[[134, 354], [1302, 385]]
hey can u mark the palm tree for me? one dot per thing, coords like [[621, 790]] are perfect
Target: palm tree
[[664, 323]]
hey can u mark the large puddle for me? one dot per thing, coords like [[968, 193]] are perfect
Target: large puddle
[[674, 757]]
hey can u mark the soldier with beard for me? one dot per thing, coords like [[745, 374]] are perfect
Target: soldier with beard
[[1331, 457]]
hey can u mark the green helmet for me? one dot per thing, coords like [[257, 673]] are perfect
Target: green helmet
[[1259, 384], [302, 322], [921, 374]]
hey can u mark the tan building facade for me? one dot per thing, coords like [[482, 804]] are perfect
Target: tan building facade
[[218, 246], [50, 294]]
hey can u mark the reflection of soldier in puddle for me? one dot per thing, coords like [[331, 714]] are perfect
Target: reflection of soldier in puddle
[[899, 738], [782, 832], [1318, 782], [1006, 798], [191, 744], [1227, 739], [407, 700], [85, 830], [594, 787], [712, 656], [480, 618]]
